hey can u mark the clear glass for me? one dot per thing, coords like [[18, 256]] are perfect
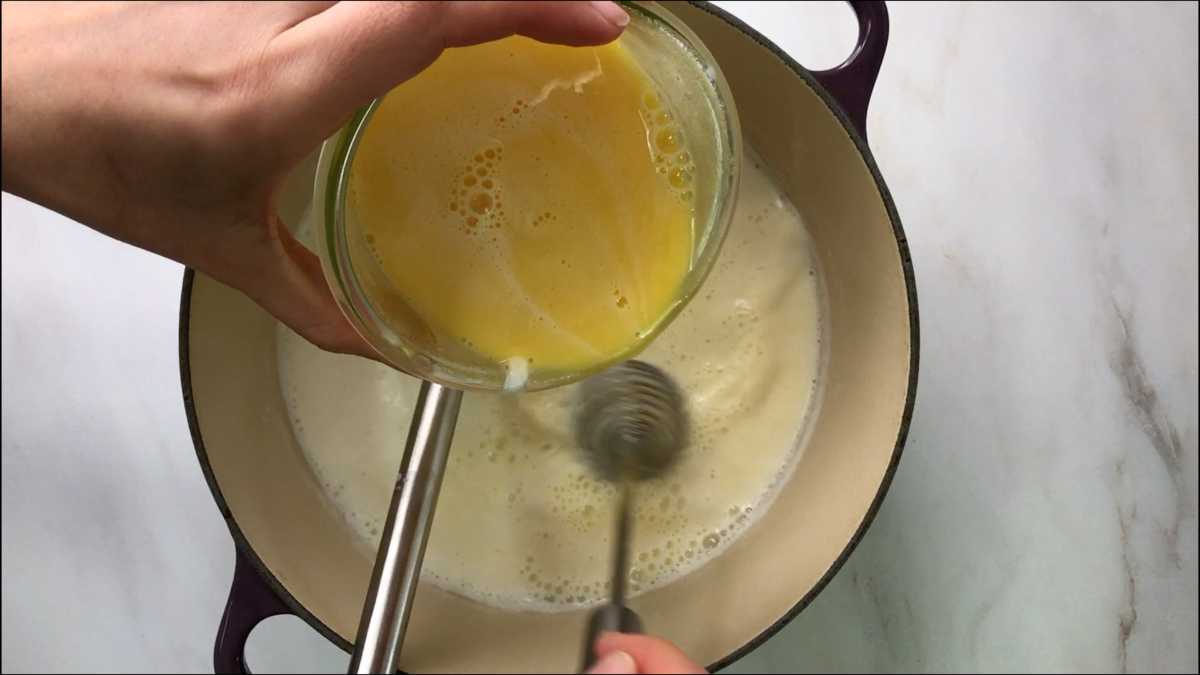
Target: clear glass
[[686, 75]]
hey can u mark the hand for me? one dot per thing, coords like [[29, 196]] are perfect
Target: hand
[[171, 125], [621, 653]]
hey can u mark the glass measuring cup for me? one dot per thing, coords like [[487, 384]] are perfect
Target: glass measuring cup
[[692, 88]]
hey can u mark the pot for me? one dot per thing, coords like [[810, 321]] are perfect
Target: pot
[[296, 555]]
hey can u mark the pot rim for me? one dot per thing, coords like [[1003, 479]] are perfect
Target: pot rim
[[246, 549]]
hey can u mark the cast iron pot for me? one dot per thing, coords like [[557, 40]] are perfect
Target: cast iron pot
[[296, 556]]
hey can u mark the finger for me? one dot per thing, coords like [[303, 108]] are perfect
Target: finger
[[568, 23], [651, 654], [408, 30], [341, 58], [291, 286], [292, 13]]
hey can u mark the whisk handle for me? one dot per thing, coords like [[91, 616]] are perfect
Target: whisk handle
[[607, 618]]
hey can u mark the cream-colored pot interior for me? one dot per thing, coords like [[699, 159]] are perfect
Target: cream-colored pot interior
[[277, 508]]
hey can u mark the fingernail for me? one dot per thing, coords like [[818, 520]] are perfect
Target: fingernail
[[612, 14], [614, 662]]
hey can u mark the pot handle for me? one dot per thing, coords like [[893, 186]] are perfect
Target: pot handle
[[251, 600], [851, 83]]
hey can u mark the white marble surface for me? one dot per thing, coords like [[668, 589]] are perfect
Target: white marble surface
[[1044, 161]]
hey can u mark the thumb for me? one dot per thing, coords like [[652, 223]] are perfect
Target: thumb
[[651, 654], [614, 662]]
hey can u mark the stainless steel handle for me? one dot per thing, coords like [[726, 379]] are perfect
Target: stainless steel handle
[[398, 566]]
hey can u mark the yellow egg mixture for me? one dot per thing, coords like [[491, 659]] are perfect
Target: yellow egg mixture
[[530, 202]]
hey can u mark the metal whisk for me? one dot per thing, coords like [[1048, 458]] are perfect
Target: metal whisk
[[631, 425]]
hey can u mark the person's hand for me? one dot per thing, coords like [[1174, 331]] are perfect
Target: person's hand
[[623, 653], [171, 126]]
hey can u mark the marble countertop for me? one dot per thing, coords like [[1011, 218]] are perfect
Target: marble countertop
[[1044, 161]]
